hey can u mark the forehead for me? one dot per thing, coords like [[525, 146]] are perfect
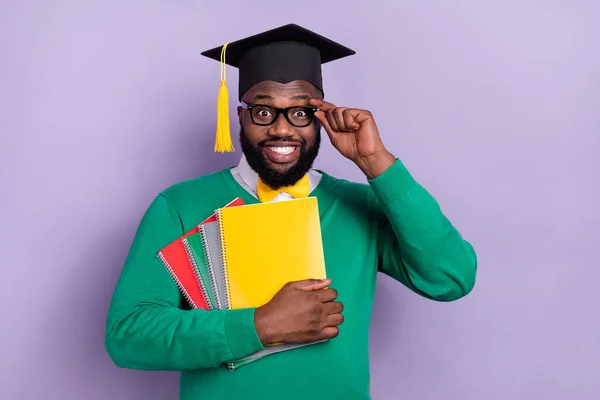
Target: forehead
[[281, 91]]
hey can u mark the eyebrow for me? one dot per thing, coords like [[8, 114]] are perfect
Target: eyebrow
[[301, 97]]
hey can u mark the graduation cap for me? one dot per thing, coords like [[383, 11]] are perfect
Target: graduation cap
[[283, 54]]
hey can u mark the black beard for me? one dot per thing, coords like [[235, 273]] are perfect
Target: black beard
[[271, 177]]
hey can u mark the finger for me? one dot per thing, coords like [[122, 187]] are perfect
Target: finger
[[332, 121], [333, 320], [339, 119], [349, 116], [320, 115], [322, 104], [328, 129], [330, 332], [333, 307], [328, 295], [312, 284]]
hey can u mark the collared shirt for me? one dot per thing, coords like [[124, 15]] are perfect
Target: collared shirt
[[248, 179]]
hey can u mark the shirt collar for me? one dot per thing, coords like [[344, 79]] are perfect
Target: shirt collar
[[247, 174]]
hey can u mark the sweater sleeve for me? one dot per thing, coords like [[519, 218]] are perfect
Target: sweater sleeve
[[146, 327], [417, 244]]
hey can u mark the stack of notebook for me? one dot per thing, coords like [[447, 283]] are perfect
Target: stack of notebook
[[242, 255]]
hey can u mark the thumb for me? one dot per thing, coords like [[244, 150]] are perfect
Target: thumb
[[313, 284]]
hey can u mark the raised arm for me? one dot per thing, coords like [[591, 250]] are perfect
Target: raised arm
[[417, 244]]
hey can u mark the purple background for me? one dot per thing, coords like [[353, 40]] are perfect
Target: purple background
[[495, 108]]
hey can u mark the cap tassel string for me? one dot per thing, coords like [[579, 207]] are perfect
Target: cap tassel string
[[223, 137]]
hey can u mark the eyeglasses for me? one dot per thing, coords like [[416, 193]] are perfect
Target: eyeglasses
[[263, 115]]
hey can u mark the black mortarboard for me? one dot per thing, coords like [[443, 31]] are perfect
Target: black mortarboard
[[283, 54]]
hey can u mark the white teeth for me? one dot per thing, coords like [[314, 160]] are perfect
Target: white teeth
[[282, 150]]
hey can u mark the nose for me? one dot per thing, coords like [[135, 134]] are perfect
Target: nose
[[281, 128]]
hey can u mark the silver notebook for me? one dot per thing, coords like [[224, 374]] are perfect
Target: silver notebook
[[212, 247]]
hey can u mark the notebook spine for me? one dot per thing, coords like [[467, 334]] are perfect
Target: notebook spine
[[224, 256], [210, 265], [185, 293], [194, 264]]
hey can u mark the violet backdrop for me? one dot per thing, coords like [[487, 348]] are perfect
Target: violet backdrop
[[493, 106]]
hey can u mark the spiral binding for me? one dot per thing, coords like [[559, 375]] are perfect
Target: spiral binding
[[224, 257], [176, 279], [210, 266], [192, 260]]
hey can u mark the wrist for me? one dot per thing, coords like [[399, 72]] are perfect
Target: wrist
[[374, 165], [264, 327]]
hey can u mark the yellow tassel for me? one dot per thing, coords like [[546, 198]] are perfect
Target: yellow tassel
[[223, 140]]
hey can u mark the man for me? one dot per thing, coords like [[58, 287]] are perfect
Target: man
[[390, 225]]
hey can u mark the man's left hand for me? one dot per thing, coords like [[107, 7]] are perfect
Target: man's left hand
[[354, 134]]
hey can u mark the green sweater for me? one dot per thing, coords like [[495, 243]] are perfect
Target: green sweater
[[390, 225]]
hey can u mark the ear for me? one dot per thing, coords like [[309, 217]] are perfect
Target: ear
[[239, 112]]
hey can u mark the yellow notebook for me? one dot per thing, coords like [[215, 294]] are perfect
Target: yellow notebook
[[266, 245]]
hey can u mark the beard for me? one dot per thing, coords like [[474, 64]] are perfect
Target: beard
[[272, 177]]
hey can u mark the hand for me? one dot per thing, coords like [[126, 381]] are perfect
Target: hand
[[354, 134], [301, 312]]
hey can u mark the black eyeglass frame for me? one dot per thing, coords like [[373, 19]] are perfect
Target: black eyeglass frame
[[283, 111]]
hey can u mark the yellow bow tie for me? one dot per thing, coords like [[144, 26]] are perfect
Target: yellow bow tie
[[299, 190]]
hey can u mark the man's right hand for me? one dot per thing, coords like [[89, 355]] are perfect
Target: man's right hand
[[301, 312]]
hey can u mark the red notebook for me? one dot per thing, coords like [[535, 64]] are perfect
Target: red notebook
[[176, 261]]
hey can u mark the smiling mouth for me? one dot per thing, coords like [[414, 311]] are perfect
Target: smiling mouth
[[281, 153], [282, 149]]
